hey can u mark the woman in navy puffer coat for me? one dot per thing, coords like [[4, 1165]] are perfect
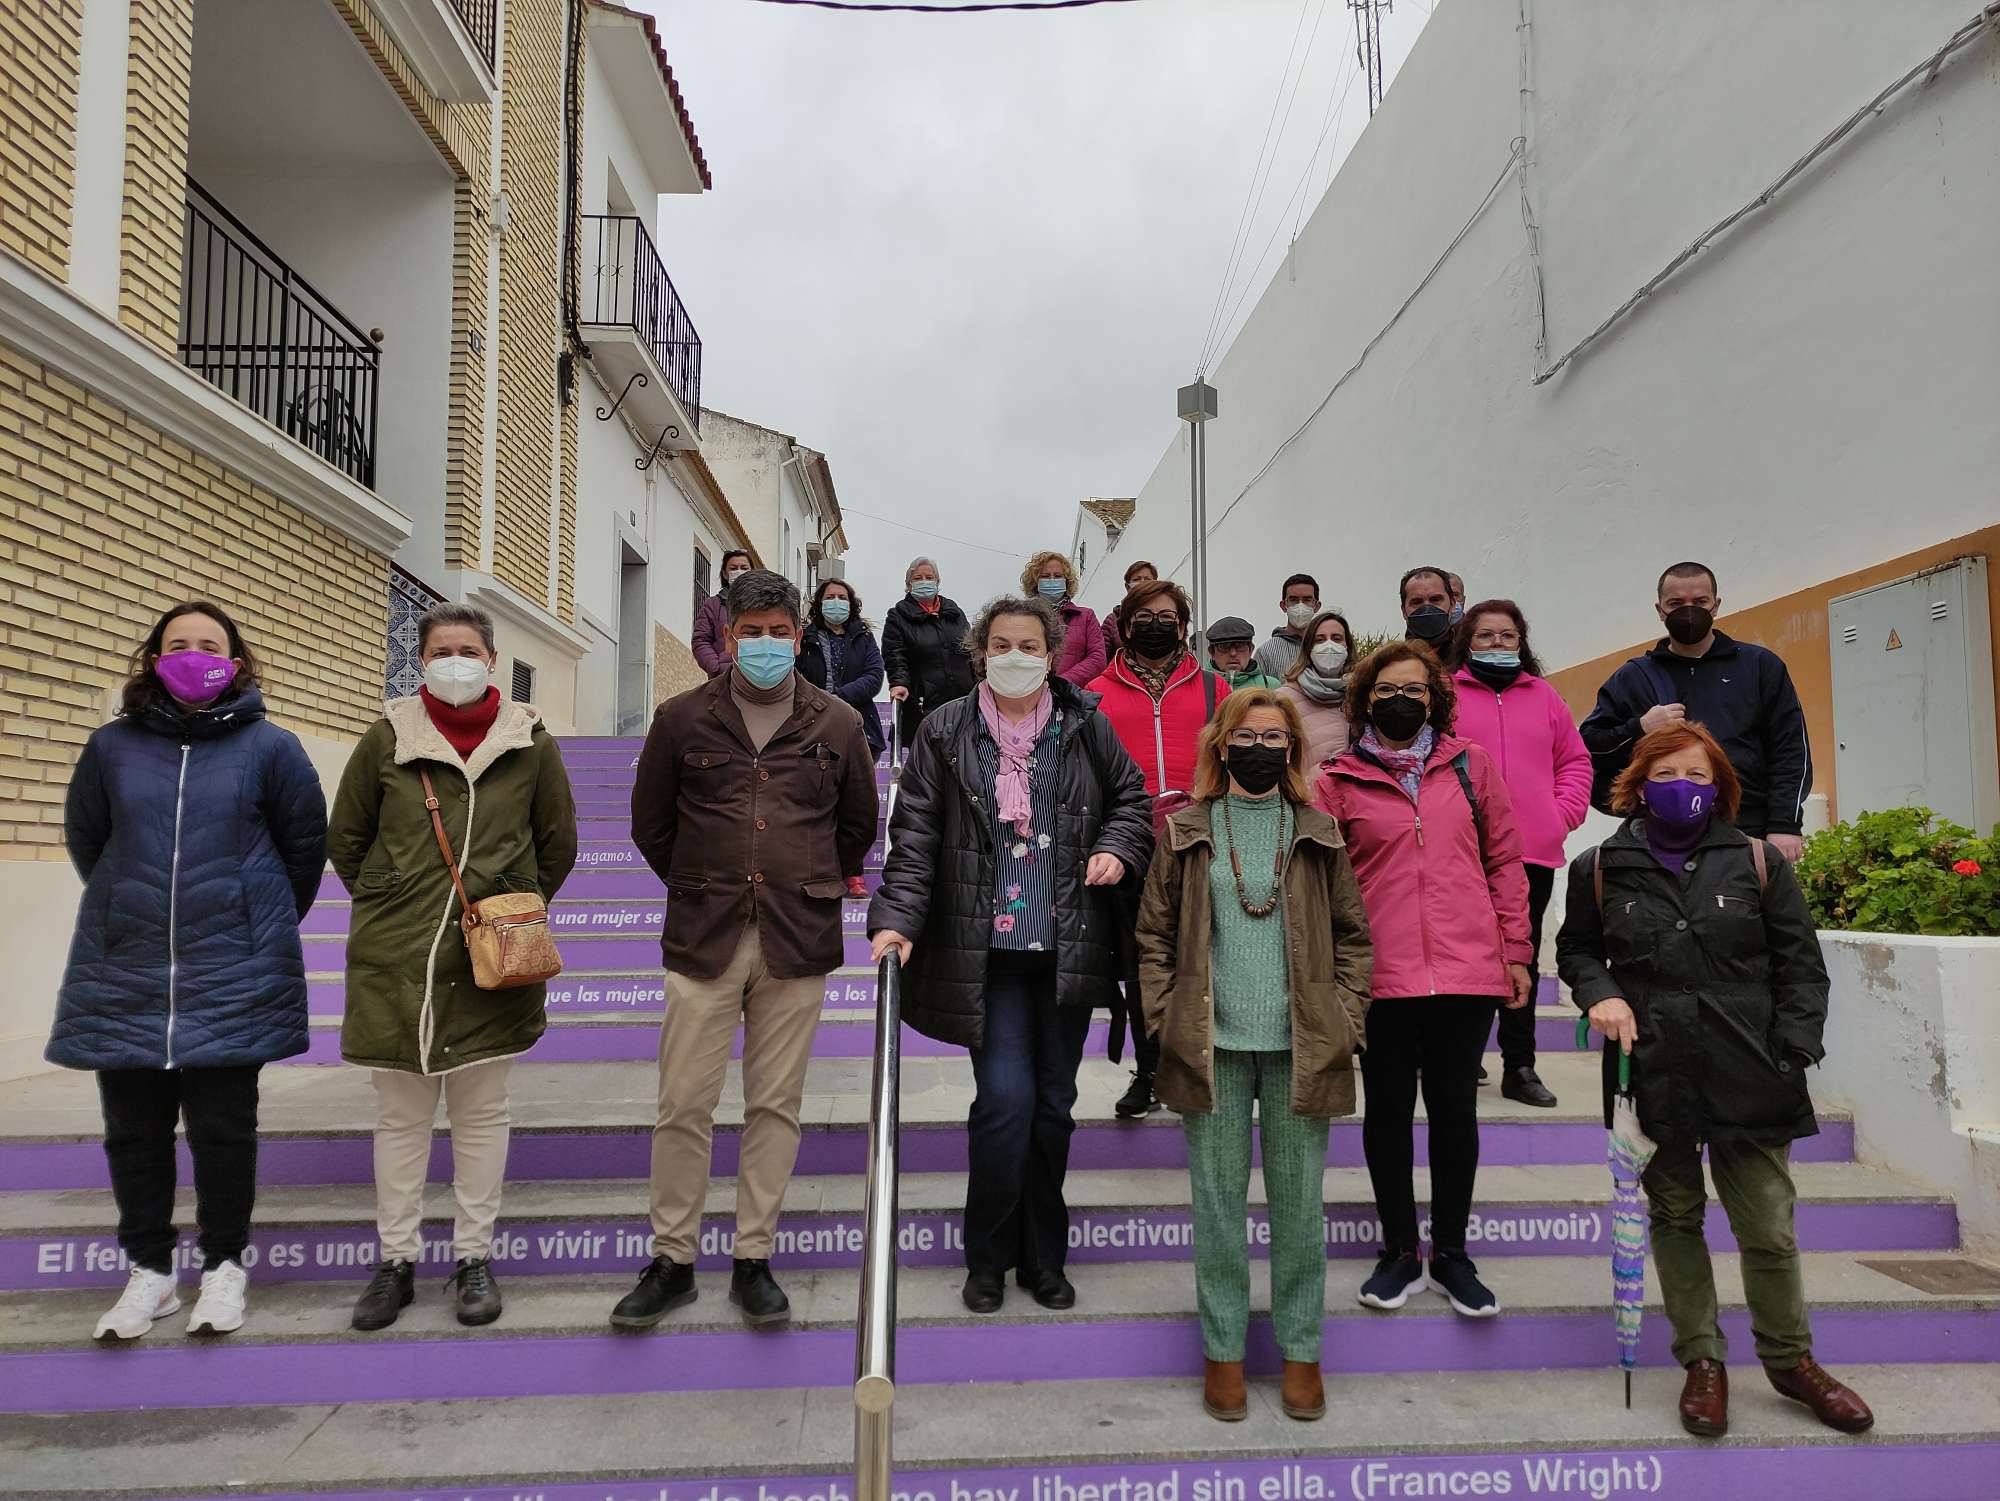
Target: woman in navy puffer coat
[[199, 828]]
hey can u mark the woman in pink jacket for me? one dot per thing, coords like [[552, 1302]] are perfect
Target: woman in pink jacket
[[1049, 576], [1506, 707], [1430, 828]]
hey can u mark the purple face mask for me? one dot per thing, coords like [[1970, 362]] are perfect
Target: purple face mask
[[1680, 804], [195, 677]]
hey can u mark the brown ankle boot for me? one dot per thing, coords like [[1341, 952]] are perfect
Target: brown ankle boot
[[1223, 1395], [1833, 1403], [1303, 1395], [1705, 1399]]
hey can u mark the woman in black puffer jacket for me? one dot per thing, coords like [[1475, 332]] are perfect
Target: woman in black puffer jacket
[[1017, 813]]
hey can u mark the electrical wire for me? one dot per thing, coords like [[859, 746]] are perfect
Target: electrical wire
[[926, 532], [1369, 348], [1989, 16]]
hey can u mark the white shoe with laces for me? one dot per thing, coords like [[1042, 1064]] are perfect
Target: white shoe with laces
[[219, 1309], [148, 1296]]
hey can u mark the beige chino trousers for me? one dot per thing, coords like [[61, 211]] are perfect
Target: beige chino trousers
[[475, 1102], [779, 1020]]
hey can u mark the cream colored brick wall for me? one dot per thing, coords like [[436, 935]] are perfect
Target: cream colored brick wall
[[38, 74], [530, 297], [674, 667], [156, 149], [104, 523]]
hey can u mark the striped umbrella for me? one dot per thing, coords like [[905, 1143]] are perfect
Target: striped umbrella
[[1628, 1149]]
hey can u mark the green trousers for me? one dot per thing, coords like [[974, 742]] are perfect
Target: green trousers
[[1294, 1184], [1754, 1184]]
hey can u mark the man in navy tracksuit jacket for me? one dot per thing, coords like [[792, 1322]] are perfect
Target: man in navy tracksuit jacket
[[1741, 692]]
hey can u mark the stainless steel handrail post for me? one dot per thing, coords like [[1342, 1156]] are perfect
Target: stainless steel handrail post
[[875, 1312]]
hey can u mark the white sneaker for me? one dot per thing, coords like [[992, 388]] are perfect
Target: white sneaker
[[219, 1309], [148, 1296]]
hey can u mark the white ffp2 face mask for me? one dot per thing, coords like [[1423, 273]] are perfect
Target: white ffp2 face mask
[[456, 680], [1016, 674], [1328, 657], [1299, 616]]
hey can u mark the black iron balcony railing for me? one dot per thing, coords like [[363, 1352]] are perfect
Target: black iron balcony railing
[[631, 288], [254, 328], [478, 18]]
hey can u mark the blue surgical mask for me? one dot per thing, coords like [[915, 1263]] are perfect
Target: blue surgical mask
[[1457, 614], [1502, 659], [834, 611], [766, 660], [924, 589], [1053, 589]]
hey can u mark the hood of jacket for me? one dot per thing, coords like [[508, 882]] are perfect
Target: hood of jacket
[[419, 739]]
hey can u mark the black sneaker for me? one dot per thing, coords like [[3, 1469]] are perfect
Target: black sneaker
[[392, 1289], [1525, 1085], [1453, 1275], [1484, 1077], [1397, 1275], [664, 1286], [1050, 1289], [1139, 1101], [478, 1295], [984, 1292], [753, 1289]]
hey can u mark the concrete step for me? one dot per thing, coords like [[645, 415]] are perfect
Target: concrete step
[[1133, 1322], [62, 1238], [619, 880], [850, 988], [333, 916], [594, 1120]]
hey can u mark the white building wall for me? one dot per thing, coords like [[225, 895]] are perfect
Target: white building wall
[[746, 459], [608, 146], [1812, 395]]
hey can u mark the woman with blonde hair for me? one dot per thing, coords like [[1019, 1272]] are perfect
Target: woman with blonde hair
[[1049, 576], [1254, 961]]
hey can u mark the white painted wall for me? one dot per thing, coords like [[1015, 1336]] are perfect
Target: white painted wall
[[745, 459], [608, 145], [1812, 395], [98, 200]]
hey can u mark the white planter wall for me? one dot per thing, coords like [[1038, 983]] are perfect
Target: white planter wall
[[1913, 1049]]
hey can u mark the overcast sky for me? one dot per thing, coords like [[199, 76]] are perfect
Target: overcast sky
[[972, 257]]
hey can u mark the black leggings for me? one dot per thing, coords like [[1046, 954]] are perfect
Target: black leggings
[[1437, 1039], [141, 1108]]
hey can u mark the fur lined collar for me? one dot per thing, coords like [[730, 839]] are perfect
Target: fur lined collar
[[417, 739]]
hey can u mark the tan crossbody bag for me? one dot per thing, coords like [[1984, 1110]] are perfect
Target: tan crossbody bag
[[507, 935]]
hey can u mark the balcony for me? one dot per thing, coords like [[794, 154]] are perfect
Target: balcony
[[637, 327], [448, 42], [257, 331]]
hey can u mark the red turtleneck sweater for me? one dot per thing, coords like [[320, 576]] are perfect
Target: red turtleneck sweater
[[464, 727]]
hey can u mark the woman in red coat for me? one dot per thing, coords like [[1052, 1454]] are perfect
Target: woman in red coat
[[1430, 828]]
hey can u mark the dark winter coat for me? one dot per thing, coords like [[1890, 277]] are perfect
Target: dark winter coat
[[1329, 957], [926, 654], [937, 884], [741, 834], [1744, 695], [1727, 983], [508, 812], [711, 636], [860, 675], [200, 837]]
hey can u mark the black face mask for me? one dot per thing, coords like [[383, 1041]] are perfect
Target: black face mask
[[1427, 624], [1688, 624], [1399, 718], [1493, 677], [1156, 640], [1256, 768]]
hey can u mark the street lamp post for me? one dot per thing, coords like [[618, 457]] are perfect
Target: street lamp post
[[1197, 406]]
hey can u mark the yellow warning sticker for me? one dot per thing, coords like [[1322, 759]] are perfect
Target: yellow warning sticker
[[1895, 641]]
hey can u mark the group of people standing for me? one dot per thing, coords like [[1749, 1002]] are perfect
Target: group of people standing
[[1268, 868]]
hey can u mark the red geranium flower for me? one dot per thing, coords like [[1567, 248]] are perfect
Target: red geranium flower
[[1967, 867]]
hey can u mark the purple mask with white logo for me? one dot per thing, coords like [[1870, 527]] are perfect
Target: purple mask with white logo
[[195, 677], [1680, 804]]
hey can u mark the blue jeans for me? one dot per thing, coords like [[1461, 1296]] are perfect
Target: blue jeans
[[1017, 1139]]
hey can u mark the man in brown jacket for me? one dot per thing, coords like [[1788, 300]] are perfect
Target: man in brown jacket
[[754, 793]]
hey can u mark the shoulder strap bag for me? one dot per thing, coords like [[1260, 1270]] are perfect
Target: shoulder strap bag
[[507, 935]]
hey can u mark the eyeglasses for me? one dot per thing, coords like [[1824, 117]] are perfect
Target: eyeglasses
[[1156, 617], [1269, 739], [1386, 691], [1497, 638]]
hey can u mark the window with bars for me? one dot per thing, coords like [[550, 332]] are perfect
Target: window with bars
[[701, 588]]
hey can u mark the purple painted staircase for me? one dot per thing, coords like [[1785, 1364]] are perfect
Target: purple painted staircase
[[1098, 1404]]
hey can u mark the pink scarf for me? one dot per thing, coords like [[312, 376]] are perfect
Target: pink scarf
[[1016, 743]]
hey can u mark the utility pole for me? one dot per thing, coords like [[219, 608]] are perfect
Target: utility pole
[[1197, 406], [1368, 44]]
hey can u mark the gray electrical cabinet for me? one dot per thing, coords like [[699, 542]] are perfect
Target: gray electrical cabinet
[[1913, 696]]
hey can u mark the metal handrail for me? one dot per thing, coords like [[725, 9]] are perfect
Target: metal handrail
[[875, 1311]]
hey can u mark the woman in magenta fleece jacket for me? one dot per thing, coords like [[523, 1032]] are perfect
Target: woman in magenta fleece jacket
[[1430, 828], [1506, 707]]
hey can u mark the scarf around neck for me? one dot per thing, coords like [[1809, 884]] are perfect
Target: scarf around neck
[[1405, 765], [1016, 742], [1321, 690], [463, 726], [1154, 679]]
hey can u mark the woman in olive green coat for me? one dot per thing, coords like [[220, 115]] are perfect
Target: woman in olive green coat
[[413, 1014]]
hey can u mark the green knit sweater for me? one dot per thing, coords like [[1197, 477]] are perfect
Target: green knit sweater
[[1249, 975]]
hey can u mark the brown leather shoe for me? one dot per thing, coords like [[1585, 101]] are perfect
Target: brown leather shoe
[[1832, 1403], [1223, 1395], [1302, 1395], [1705, 1399]]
